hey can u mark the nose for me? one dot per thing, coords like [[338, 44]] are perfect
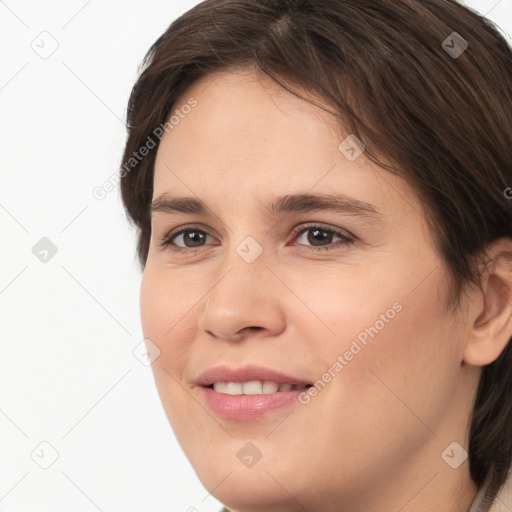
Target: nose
[[243, 302]]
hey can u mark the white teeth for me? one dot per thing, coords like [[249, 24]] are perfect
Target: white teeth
[[254, 387], [269, 387], [234, 388], [220, 387]]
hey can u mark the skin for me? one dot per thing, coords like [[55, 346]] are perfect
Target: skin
[[372, 439]]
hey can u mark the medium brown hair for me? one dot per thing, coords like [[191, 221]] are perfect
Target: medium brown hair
[[441, 122]]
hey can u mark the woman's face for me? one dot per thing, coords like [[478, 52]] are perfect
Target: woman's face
[[349, 299]]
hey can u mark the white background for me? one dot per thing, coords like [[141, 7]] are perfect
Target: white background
[[68, 375]]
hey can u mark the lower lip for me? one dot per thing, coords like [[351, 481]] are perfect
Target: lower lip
[[247, 407]]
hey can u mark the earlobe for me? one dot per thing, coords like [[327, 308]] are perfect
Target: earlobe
[[492, 326]]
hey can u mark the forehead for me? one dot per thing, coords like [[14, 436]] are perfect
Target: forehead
[[247, 134], [240, 111], [244, 122], [232, 88]]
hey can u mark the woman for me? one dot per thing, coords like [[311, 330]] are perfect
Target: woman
[[322, 195]]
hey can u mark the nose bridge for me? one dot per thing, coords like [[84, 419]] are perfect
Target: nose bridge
[[243, 272], [242, 295]]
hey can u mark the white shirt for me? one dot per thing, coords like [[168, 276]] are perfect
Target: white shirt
[[502, 502]]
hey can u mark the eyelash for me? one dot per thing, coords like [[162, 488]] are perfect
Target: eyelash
[[167, 240]]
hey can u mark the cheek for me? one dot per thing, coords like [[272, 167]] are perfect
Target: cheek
[[165, 318], [343, 309], [166, 313], [402, 372], [400, 349]]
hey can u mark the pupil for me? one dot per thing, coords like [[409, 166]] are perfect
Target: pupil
[[315, 238], [194, 237]]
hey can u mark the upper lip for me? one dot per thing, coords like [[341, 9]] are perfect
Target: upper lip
[[246, 374]]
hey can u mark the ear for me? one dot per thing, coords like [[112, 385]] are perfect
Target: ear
[[491, 318]]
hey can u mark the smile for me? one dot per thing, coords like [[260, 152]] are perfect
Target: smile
[[249, 393]]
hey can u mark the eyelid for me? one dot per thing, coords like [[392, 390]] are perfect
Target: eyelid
[[343, 233]]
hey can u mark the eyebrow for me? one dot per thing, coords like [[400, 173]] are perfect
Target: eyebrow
[[296, 203]]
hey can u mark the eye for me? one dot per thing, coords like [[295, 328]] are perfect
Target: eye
[[191, 238], [321, 239]]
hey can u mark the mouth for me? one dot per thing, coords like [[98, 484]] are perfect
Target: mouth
[[248, 393]]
